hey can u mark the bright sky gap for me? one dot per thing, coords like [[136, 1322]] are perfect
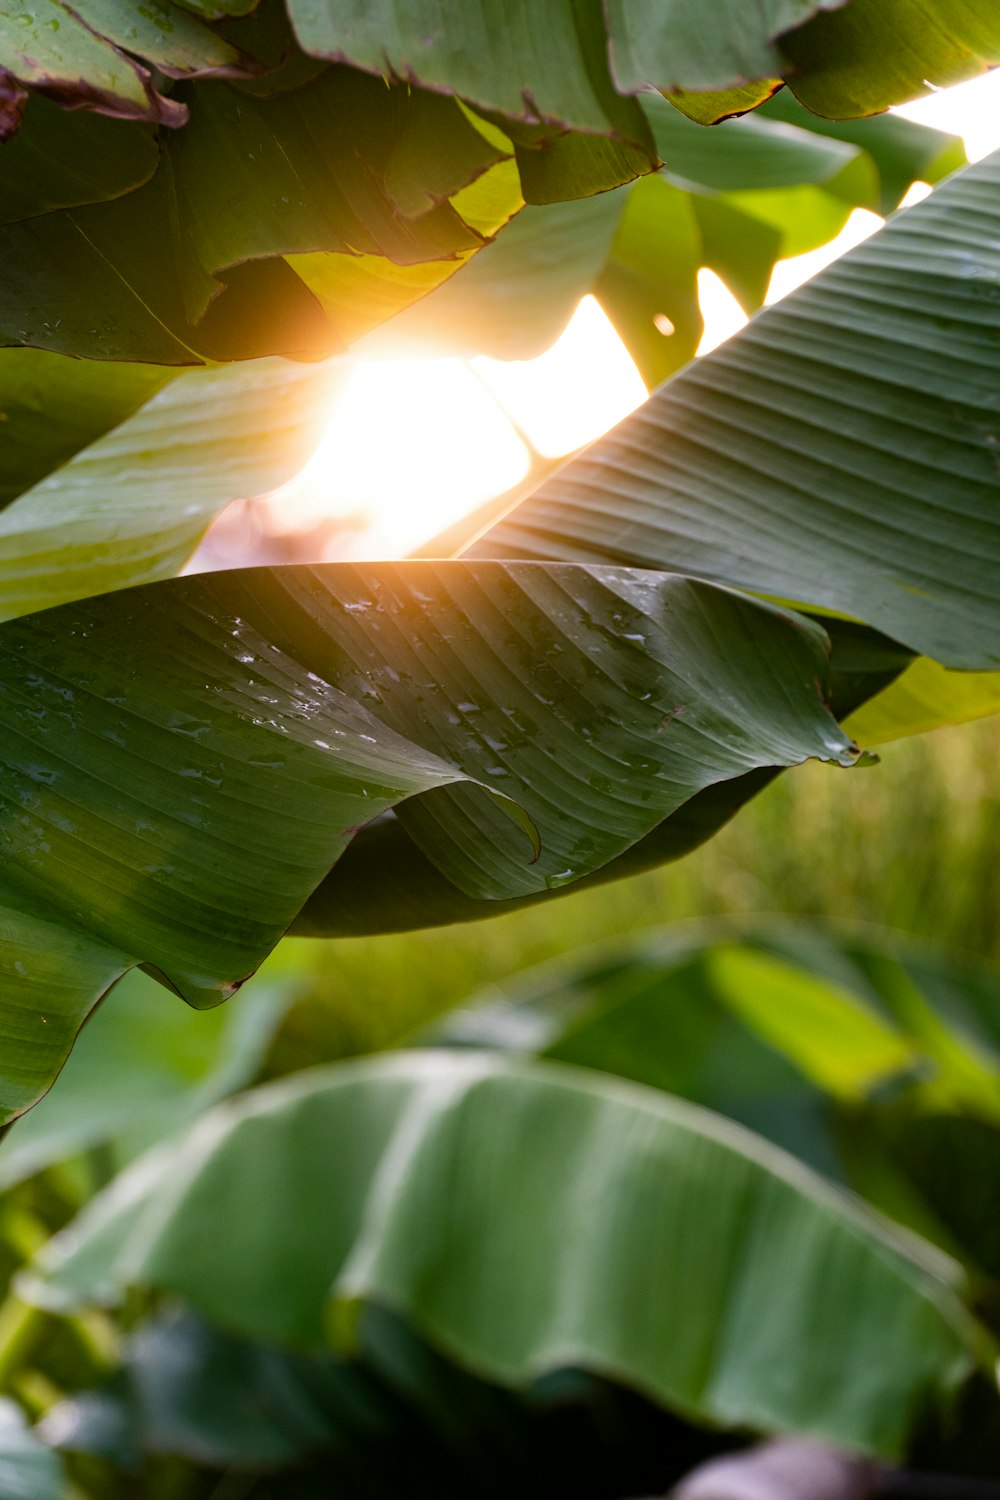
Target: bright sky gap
[[414, 444]]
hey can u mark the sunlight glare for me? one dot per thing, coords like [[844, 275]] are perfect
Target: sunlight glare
[[721, 314], [573, 392], [792, 273], [915, 193], [971, 110], [413, 444]]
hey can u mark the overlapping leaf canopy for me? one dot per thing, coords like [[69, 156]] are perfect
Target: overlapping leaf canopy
[[209, 147], [190, 767], [153, 811]]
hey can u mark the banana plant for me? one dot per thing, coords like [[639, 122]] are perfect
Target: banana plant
[[194, 766], [185, 760], [592, 1127]]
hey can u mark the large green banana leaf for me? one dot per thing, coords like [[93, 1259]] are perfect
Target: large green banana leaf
[[874, 1059], [841, 450], [385, 883], [184, 763], [531, 1217]]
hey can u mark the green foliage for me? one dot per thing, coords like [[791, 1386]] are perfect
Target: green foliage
[[131, 506], [144, 1066], [633, 669], [184, 762], [196, 753], [813, 457], [488, 1199]]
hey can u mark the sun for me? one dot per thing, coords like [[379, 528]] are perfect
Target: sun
[[414, 445]]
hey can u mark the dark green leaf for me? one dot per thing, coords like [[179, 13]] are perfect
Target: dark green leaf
[[187, 266], [841, 450], [184, 763], [343, 164], [62, 160], [384, 883]]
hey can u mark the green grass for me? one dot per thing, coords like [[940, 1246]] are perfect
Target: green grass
[[909, 844]]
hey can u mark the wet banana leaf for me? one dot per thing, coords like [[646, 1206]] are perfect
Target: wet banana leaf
[[184, 763], [385, 883]]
